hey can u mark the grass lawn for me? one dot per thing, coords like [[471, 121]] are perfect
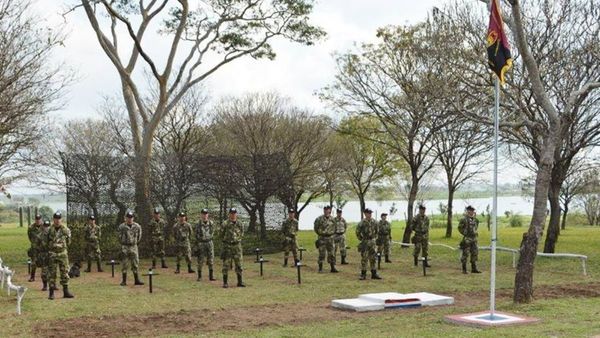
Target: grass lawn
[[567, 302]]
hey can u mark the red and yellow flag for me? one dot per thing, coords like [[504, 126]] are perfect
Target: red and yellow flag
[[498, 48]]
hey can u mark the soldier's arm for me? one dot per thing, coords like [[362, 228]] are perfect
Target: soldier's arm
[[316, 226], [139, 233], [68, 236], [461, 226]]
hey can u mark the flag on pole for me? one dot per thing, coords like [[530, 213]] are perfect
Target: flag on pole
[[498, 48]]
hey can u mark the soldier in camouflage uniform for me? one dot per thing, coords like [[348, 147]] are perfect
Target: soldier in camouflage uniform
[[420, 225], [92, 234], [182, 232], [339, 239], [130, 235], [232, 232], [57, 241], [468, 228], [42, 254], [384, 238], [367, 231], [204, 247], [289, 228], [325, 228], [33, 233], [157, 228]]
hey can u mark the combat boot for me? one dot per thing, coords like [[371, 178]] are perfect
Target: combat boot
[[225, 285], [66, 293], [296, 261], [474, 268], [211, 277], [44, 285], [137, 279], [99, 264], [89, 266], [153, 263], [124, 279], [199, 274], [363, 275], [426, 263], [387, 259], [344, 262], [190, 269], [416, 260], [464, 268], [51, 293], [32, 276], [177, 269], [333, 269], [285, 260], [374, 275], [240, 282], [320, 267], [163, 264]]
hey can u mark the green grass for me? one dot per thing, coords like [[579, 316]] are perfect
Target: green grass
[[100, 295]]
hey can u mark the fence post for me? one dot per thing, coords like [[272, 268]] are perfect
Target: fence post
[[28, 214], [21, 217]]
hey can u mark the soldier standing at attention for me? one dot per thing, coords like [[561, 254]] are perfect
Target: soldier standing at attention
[[205, 249], [289, 228], [42, 254], [420, 225], [366, 232], [384, 238], [92, 233], [468, 228], [339, 239], [33, 232], [325, 229], [182, 232], [130, 234], [232, 232], [57, 241], [157, 228]]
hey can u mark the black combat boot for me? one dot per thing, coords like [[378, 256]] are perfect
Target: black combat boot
[[344, 262], [474, 268], [137, 279], [333, 269], [296, 261], [89, 266], [374, 275], [387, 259], [199, 274], [190, 269], [240, 282], [285, 260], [124, 279], [163, 264], [225, 285], [32, 277], [211, 277], [464, 268], [416, 261], [320, 267], [153, 263], [44, 285], [51, 293], [363, 275], [99, 264], [177, 269], [426, 263], [66, 293]]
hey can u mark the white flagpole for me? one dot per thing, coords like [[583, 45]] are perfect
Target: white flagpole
[[494, 204]]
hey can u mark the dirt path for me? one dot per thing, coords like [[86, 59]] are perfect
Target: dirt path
[[196, 321]]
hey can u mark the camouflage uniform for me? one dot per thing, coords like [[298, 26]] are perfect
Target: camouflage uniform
[[289, 228], [384, 238], [33, 233], [468, 228], [325, 229], [367, 231], [129, 237], [339, 239], [231, 235], [182, 232], [92, 234], [157, 232], [204, 247], [42, 257], [57, 241], [420, 225]]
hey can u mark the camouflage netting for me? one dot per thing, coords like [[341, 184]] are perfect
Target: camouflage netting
[[103, 186]]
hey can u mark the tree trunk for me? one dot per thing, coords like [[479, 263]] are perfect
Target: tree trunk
[[449, 219], [412, 196], [253, 220], [554, 224], [563, 225], [142, 190], [363, 204], [523, 292], [263, 223]]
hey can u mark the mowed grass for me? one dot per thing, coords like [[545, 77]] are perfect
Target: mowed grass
[[99, 295]]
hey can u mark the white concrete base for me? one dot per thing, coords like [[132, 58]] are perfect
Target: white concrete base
[[486, 319], [356, 304], [391, 300]]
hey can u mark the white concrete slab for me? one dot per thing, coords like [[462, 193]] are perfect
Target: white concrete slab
[[431, 299], [356, 304]]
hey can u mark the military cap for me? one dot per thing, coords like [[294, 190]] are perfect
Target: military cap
[[470, 208], [339, 211], [181, 214], [422, 206], [38, 216], [91, 217], [368, 211], [129, 214], [46, 223], [233, 211], [156, 211], [384, 214], [57, 215], [204, 211], [291, 210], [327, 207]]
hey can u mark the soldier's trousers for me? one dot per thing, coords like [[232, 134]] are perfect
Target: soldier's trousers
[[326, 247], [92, 250], [61, 261], [469, 248], [33, 255], [384, 248], [206, 252], [184, 251], [367, 254], [421, 246], [129, 256], [158, 247], [290, 244], [42, 261], [339, 240], [232, 252]]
